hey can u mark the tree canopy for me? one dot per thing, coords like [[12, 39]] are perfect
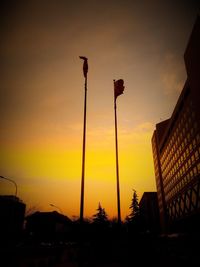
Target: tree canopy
[[134, 207], [101, 216]]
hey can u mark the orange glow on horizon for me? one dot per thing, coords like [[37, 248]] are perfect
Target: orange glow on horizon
[[57, 170]]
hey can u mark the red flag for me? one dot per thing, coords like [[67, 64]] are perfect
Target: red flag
[[85, 66], [118, 87]]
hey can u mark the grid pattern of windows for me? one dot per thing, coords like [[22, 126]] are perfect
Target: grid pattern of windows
[[157, 174], [180, 158], [177, 163], [185, 203]]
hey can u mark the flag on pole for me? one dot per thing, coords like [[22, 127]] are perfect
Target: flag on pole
[[85, 66], [118, 87]]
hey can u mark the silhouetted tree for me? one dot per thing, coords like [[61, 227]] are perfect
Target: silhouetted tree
[[100, 226], [101, 216], [134, 207]]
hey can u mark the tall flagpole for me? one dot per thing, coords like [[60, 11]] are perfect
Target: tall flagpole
[[118, 90], [85, 70], [117, 166]]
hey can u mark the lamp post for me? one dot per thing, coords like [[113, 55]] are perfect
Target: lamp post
[[52, 205], [10, 180]]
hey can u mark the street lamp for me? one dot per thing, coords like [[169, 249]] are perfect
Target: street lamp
[[8, 179], [52, 205]]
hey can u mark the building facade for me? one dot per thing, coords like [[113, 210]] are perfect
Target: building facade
[[49, 226], [149, 212], [12, 212], [176, 150]]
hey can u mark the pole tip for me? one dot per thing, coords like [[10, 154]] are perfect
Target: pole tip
[[84, 58]]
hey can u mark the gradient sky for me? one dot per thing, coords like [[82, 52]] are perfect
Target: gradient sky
[[42, 96]]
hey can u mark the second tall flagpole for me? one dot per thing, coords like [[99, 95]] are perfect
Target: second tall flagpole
[[85, 70]]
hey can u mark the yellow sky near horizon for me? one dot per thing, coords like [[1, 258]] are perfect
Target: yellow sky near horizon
[[56, 169]]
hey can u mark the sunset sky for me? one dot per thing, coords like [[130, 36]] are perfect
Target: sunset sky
[[42, 96]]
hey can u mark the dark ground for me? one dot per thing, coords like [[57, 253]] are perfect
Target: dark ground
[[132, 250]]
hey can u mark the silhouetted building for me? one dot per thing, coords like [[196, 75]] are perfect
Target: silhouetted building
[[176, 150], [149, 212], [48, 225], [12, 211]]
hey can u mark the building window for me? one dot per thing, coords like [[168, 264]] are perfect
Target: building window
[[198, 167], [195, 171]]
